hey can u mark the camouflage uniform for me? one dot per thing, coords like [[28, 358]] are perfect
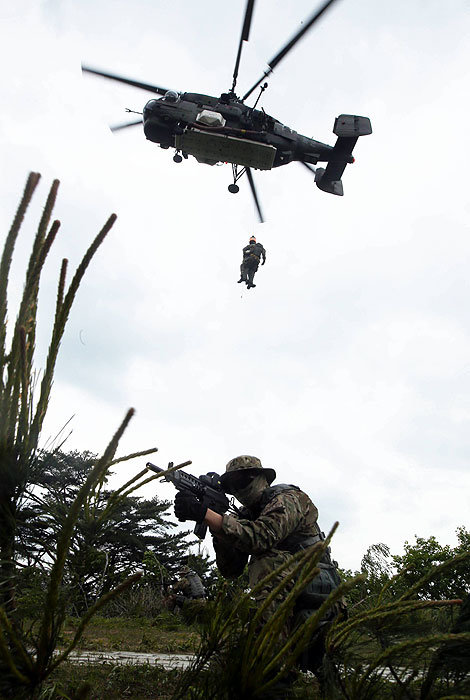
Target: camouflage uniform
[[267, 534], [276, 522], [188, 587]]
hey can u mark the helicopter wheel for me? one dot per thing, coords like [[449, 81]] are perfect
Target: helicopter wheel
[[233, 188], [177, 158]]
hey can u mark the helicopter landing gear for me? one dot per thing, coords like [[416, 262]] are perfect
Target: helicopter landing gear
[[237, 174]]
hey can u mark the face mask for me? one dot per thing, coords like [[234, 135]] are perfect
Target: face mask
[[252, 493]]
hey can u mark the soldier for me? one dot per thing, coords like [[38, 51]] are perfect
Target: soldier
[[188, 587], [252, 254], [275, 522]]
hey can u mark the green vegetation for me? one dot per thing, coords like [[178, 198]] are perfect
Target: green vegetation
[[378, 566], [26, 653], [115, 535], [249, 657], [136, 682], [165, 633], [112, 682], [390, 644], [389, 647]]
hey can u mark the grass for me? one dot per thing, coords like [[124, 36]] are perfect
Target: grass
[[107, 680], [165, 633], [162, 634], [144, 682]]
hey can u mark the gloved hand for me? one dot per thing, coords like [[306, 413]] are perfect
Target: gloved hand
[[189, 507]]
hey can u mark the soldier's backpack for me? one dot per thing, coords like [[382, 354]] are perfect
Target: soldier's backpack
[[318, 590], [196, 585]]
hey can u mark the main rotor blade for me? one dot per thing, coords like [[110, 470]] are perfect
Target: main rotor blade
[[255, 196], [309, 167], [285, 50], [244, 37], [316, 16], [124, 126], [127, 81]]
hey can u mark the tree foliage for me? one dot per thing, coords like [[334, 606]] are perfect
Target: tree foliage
[[111, 537], [381, 568], [426, 553], [397, 642]]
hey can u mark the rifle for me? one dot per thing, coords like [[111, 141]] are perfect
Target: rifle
[[207, 488]]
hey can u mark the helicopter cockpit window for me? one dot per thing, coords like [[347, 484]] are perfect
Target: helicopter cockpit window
[[150, 104], [171, 96]]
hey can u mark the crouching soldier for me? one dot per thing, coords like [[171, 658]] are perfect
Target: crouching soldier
[[274, 523], [188, 587]]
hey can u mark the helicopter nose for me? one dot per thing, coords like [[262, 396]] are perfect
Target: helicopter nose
[[150, 105]]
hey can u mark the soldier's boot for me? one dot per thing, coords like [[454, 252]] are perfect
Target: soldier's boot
[[241, 280], [251, 285]]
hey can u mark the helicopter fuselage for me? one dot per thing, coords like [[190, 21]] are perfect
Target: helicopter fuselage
[[224, 129]]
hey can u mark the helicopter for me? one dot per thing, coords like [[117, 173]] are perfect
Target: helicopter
[[226, 130]]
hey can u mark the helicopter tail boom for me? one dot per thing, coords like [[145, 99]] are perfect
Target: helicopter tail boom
[[347, 128], [350, 125]]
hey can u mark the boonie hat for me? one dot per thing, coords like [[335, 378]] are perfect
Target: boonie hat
[[246, 464]]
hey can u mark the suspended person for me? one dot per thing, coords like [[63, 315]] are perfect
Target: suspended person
[[252, 254]]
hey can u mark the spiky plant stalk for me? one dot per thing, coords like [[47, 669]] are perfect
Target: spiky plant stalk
[[384, 648], [20, 419], [8, 453], [26, 661]]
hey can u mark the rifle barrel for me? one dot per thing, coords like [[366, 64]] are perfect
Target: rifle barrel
[[158, 470]]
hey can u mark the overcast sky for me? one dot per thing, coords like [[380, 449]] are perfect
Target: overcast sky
[[347, 369]]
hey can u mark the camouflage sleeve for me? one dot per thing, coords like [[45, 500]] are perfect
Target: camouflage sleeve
[[230, 561], [181, 586], [278, 519]]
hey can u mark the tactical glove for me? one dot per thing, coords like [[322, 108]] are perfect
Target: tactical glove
[[189, 507]]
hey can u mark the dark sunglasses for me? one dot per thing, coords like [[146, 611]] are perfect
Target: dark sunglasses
[[238, 482]]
